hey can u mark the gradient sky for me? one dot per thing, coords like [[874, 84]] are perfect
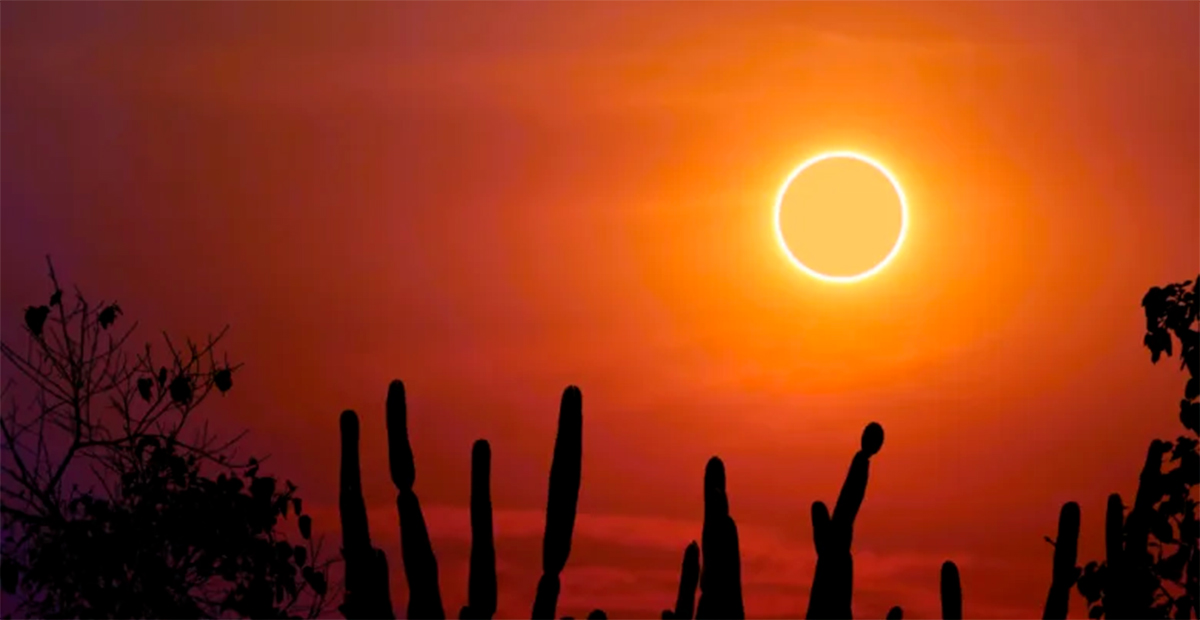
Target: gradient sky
[[492, 201]]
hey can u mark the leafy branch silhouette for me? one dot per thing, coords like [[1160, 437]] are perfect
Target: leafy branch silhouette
[[110, 508]]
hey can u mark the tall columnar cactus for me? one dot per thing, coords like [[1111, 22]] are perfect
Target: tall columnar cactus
[[833, 581], [565, 472], [420, 565], [1125, 586], [951, 592], [689, 578], [481, 584], [721, 576], [367, 594], [1066, 549]]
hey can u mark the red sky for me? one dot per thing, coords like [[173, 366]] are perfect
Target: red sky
[[494, 201]]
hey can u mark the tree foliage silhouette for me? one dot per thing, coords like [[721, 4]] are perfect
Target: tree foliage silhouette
[[1150, 569], [109, 508]]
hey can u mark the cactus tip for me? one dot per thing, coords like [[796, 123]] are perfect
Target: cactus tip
[[572, 397], [872, 439], [714, 474], [349, 423], [396, 390]]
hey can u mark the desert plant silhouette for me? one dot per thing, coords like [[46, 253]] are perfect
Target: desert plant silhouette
[[833, 581], [366, 568], [1063, 576], [720, 576], [164, 539], [1151, 555]]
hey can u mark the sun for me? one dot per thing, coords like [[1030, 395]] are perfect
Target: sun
[[841, 217]]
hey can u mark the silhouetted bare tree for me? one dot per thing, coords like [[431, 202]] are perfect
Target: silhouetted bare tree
[[108, 511]]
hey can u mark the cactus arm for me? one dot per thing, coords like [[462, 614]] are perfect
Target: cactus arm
[[481, 583], [1066, 573], [366, 576], [951, 592], [833, 580], [400, 454], [689, 579], [562, 501], [420, 565], [713, 595]]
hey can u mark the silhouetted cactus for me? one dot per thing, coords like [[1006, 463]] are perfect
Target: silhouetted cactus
[[833, 581], [481, 584], [689, 578], [1066, 546], [367, 594], [420, 565], [951, 592], [1125, 586], [895, 613], [721, 575], [563, 497]]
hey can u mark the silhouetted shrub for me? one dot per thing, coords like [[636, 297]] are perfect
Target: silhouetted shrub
[[111, 511]]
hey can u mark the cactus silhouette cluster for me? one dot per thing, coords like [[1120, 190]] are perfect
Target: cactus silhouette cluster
[[1127, 585], [366, 572], [711, 568]]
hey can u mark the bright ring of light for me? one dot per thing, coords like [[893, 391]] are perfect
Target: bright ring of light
[[886, 259]]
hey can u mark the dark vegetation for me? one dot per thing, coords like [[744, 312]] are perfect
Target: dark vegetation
[[118, 502], [154, 536]]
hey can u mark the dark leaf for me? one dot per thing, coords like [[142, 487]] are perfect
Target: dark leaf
[[1192, 390], [223, 379], [56, 298], [1154, 302], [296, 503], [1091, 581], [109, 315], [301, 555], [306, 527], [162, 375], [35, 319], [181, 390], [143, 388]]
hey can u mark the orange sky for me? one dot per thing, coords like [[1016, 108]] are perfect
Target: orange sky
[[493, 201]]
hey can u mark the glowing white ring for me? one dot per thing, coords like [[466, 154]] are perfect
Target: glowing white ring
[[886, 259]]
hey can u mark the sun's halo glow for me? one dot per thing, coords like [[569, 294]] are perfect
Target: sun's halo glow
[[899, 236]]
